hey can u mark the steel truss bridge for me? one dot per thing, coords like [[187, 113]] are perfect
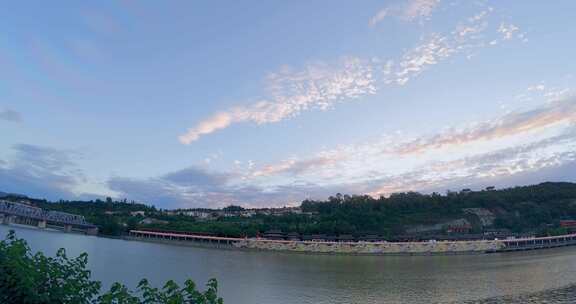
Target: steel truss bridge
[[12, 212]]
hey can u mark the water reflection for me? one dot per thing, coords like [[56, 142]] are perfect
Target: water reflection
[[566, 295]]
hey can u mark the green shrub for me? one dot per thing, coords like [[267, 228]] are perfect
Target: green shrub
[[28, 278]]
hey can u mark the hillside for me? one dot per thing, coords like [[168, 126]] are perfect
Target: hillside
[[519, 209], [536, 209]]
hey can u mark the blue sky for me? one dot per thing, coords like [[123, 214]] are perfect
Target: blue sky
[[260, 103]]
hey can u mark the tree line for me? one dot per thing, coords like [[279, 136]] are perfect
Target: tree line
[[519, 209]]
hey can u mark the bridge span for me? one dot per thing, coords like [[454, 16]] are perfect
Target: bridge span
[[18, 213]]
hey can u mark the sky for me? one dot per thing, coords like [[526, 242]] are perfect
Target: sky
[[185, 104]]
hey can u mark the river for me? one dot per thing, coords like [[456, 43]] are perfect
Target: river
[[288, 278]]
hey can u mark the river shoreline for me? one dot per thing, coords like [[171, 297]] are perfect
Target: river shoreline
[[231, 248], [430, 248], [357, 248]]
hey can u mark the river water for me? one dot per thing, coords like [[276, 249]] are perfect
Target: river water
[[545, 276]]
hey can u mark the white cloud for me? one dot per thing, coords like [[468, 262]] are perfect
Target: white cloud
[[408, 11], [420, 8], [294, 166], [321, 86], [216, 122], [490, 167], [514, 143], [316, 87], [515, 123], [379, 17], [437, 48], [362, 171], [508, 30], [537, 87]]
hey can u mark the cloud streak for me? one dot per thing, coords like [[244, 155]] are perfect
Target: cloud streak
[[295, 166], [41, 171], [512, 146], [437, 48], [484, 168], [322, 86], [316, 87], [508, 30], [407, 11], [194, 187], [557, 112], [162, 191], [516, 142]]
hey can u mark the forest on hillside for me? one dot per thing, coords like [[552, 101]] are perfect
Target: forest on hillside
[[536, 208]]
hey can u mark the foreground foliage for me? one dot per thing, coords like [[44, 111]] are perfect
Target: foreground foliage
[[29, 278]]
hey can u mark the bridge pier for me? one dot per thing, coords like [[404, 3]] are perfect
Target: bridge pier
[[8, 219], [92, 231], [42, 224], [67, 228]]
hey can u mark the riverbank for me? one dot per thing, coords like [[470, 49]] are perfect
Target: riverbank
[[360, 248], [347, 248], [254, 277]]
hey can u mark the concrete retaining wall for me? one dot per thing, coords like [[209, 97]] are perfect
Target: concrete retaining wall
[[381, 248], [362, 248]]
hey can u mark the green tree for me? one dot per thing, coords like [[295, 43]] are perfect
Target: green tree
[[28, 278], [36, 278]]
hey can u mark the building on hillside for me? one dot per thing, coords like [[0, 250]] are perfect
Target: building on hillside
[[500, 233], [293, 236], [200, 214], [460, 226], [570, 225], [277, 211], [274, 235], [264, 211], [247, 213]]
